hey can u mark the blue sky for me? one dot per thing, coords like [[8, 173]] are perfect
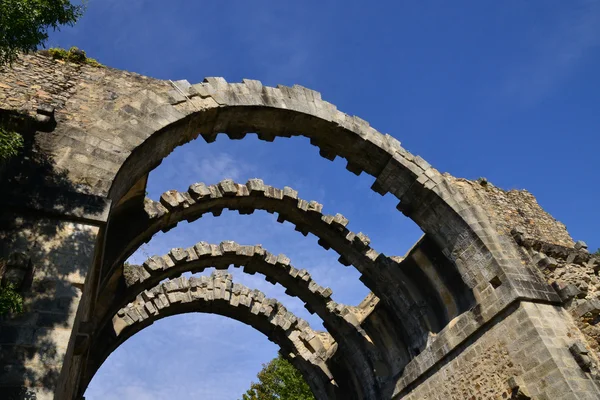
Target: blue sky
[[506, 90]]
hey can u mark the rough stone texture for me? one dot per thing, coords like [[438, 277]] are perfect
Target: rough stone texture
[[218, 294], [83, 150], [531, 343], [492, 265], [514, 208], [33, 344], [574, 274]]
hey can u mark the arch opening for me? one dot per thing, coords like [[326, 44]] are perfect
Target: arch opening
[[354, 249], [217, 294], [365, 362], [425, 196], [460, 231], [184, 356]]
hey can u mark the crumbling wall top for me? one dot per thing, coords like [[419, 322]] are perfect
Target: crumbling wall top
[[509, 209]]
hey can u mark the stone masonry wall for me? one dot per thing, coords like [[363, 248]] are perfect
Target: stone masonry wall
[[78, 93], [509, 209], [545, 242], [528, 346], [33, 344], [574, 274]]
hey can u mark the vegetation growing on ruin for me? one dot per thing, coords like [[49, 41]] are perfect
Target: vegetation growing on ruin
[[279, 380], [73, 55], [11, 143], [24, 24], [11, 300]]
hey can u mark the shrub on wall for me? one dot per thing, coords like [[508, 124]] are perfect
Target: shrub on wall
[[73, 55], [11, 301], [10, 144]]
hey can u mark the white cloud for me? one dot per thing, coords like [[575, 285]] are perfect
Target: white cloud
[[203, 164], [217, 167]]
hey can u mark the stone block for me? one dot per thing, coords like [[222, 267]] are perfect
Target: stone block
[[566, 291], [591, 306]]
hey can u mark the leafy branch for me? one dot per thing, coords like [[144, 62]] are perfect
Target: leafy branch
[[24, 24], [279, 380], [10, 144], [11, 300]]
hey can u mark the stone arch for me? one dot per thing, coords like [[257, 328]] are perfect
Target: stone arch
[[305, 348], [91, 144], [366, 363], [202, 255], [433, 310], [460, 229]]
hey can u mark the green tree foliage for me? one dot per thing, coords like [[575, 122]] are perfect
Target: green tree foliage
[[11, 301], [597, 252], [279, 380], [10, 143], [24, 24]]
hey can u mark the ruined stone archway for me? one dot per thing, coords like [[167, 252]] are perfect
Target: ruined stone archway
[[237, 109], [362, 358], [217, 294], [436, 308], [461, 231], [102, 153]]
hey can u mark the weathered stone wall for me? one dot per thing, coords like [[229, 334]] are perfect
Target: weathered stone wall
[[573, 272], [530, 344], [509, 209], [78, 93], [33, 344]]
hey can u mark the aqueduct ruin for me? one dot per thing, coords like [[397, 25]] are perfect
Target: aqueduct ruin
[[478, 289]]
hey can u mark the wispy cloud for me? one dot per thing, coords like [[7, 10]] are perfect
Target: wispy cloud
[[220, 166], [555, 51], [185, 356], [205, 166], [216, 337]]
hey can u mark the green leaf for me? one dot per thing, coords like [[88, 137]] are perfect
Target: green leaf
[[11, 301], [279, 380], [10, 144], [24, 24]]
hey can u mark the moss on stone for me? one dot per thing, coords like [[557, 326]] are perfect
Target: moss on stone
[[73, 55]]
